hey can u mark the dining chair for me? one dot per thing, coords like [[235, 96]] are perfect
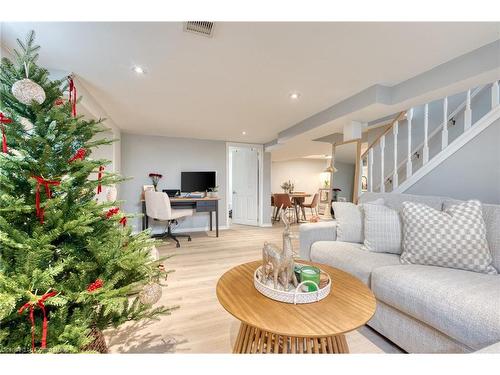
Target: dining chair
[[313, 206], [282, 202]]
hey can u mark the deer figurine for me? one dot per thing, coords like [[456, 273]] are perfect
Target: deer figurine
[[280, 261]]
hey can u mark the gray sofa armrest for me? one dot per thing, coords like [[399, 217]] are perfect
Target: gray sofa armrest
[[492, 349], [310, 233]]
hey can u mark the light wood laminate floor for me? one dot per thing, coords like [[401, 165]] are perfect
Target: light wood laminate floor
[[201, 325]]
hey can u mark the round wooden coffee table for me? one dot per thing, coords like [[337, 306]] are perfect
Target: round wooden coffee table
[[268, 326]]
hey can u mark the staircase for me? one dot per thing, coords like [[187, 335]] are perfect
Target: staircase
[[419, 139]]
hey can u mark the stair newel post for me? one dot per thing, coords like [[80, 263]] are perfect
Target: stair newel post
[[467, 113], [382, 177], [444, 134], [395, 129], [425, 158], [370, 170], [495, 95], [409, 117]]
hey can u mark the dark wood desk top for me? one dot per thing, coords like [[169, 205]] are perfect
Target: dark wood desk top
[[185, 199], [188, 199]]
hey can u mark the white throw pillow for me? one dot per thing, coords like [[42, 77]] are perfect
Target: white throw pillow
[[349, 219], [453, 238], [382, 229]]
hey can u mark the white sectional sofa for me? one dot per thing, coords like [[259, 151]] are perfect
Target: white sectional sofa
[[422, 309]]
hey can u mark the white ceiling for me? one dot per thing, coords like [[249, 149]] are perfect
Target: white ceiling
[[239, 80]]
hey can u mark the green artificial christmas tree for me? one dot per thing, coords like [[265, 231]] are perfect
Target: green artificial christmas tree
[[69, 266]]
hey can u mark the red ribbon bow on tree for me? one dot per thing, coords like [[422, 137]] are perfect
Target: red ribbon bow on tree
[[80, 154], [4, 120], [72, 95], [114, 211], [46, 183], [123, 221], [95, 285], [45, 325], [99, 177]]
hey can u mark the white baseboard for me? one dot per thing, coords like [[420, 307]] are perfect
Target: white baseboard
[[266, 225], [198, 229], [187, 230]]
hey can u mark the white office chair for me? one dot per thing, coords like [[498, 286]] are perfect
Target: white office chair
[[158, 208]]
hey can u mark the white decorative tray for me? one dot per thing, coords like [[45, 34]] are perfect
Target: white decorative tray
[[295, 295]]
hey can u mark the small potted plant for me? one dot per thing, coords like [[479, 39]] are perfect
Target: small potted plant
[[287, 186], [212, 192], [155, 178]]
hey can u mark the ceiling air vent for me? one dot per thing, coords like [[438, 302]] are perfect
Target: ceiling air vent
[[204, 28]]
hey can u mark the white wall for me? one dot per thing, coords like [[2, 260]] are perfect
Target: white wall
[[304, 173], [142, 154], [473, 172]]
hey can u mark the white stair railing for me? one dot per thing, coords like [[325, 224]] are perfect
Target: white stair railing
[[392, 177]]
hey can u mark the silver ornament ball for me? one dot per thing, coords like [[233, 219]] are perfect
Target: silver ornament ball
[[150, 294], [26, 91]]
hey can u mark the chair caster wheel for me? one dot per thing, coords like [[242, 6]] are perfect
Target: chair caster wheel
[[189, 239], [178, 245]]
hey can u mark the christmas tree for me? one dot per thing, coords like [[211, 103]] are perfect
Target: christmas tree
[[70, 267]]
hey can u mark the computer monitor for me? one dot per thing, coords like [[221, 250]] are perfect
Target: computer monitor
[[197, 181]]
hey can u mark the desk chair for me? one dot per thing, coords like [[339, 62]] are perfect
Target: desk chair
[[158, 208]]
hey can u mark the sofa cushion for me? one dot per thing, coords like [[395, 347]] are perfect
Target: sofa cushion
[[351, 258], [463, 305], [382, 228], [454, 238], [349, 219], [491, 216]]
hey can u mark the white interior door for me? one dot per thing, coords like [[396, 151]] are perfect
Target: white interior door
[[245, 184]]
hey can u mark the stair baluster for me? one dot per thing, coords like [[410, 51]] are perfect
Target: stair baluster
[[409, 117], [467, 113], [425, 150], [370, 170], [382, 177], [395, 129], [444, 136], [495, 95]]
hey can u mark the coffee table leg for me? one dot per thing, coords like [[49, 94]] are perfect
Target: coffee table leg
[[253, 340]]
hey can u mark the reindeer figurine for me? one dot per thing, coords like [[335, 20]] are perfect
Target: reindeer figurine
[[280, 261]]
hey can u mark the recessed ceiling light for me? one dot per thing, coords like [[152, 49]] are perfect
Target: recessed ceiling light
[[138, 69], [244, 133], [294, 95]]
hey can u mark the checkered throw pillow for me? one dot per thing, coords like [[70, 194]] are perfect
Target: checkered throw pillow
[[454, 238]]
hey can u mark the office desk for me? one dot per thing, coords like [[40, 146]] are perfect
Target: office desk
[[209, 205]]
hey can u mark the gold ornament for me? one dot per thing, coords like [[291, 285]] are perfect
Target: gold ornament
[[150, 294], [25, 90]]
